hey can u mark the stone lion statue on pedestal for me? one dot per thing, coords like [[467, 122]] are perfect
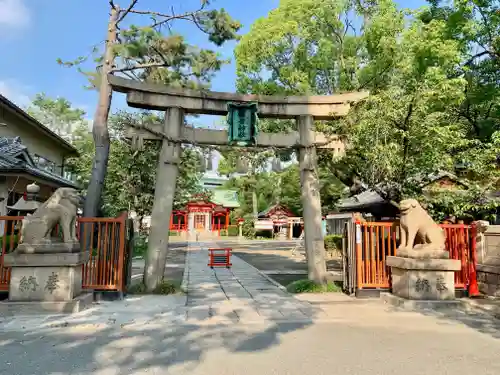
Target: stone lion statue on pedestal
[[421, 236], [60, 208]]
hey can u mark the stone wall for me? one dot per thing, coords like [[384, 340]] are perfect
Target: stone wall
[[488, 254]]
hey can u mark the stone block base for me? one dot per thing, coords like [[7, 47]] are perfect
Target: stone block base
[[59, 283], [423, 279], [415, 305], [488, 279], [45, 277], [16, 308]]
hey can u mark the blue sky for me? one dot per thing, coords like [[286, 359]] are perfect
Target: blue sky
[[33, 33]]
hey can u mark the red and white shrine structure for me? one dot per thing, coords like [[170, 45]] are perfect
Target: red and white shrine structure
[[204, 214]]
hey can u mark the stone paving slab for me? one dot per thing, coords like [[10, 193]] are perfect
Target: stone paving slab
[[247, 294], [219, 296]]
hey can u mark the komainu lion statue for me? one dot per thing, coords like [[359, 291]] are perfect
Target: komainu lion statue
[[420, 235], [60, 208]]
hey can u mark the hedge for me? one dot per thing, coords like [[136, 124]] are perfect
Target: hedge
[[333, 243]]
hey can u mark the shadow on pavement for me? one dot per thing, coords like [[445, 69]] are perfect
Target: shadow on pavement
[[132, 350], [472, 318]]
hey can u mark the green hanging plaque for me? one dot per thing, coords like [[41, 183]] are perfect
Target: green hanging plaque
[[242, 124]]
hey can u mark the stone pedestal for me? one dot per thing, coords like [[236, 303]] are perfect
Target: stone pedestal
[[49, 283], [423, 279]]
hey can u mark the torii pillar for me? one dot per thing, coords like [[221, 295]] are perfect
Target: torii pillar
[[177, 102], [166, 177], [311, 201]]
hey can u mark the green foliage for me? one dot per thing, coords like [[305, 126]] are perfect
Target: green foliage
[[15, 240], [232, 231], [248, 227], [130, 181], [282, 187], [333, 243], [140, 246], [433, 76], [165, 287], [57, 114], [470, 205], [149, 49], [308, 286]]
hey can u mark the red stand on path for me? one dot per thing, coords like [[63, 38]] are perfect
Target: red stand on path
[[219, 257]]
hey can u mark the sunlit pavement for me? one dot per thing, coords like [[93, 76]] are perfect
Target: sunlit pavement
[[364, 341], [238, 321]]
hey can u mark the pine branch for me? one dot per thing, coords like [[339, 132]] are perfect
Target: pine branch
[[133, 3]]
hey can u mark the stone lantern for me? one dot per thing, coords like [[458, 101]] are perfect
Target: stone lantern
[[27, 204]]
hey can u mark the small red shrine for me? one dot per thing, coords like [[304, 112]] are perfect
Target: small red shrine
[[205, 214], [284, 222]]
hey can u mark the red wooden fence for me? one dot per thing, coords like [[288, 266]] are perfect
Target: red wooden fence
[[378, 240], [105, 238]]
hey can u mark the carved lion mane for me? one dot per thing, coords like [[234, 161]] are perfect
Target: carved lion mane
[[416, 224], [60, 208]]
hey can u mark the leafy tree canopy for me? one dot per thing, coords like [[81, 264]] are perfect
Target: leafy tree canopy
[[432, 74]]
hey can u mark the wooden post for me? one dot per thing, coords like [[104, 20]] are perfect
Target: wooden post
[[311, 203], [166, 176]]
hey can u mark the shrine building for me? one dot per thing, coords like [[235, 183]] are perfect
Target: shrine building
[[206, 214], [281, 221]]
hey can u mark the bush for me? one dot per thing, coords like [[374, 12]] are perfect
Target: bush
[[140, 246], [248, 227], [308, 286], [333, 243], [233, 231], [164, 288], [13, 238]]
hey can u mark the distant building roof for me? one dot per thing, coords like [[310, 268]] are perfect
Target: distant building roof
[[366, 198], [272, 209], [225, 198], [15, 158], [4, 102]]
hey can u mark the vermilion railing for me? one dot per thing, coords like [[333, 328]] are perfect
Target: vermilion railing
[[179, 227], [378, 240], [104, 238]]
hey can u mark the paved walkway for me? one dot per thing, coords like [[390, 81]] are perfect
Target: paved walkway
[[240, 293], [213, 296]]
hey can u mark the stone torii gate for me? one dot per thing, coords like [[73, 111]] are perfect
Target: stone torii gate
[[178, 102]]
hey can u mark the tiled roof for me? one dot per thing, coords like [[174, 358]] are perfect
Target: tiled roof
[[14, 157], [275, 206], [365, 198], [226, 198]]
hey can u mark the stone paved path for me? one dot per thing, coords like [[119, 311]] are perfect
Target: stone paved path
[[237, 295], [240, 293]]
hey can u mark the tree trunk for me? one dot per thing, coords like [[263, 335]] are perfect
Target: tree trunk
[[100, 126], [313, 231]]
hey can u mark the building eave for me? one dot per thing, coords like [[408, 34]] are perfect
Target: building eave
[[21, 114], [55, 181]]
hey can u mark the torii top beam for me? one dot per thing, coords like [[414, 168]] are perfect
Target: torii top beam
[[160, 97]]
